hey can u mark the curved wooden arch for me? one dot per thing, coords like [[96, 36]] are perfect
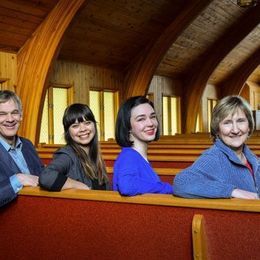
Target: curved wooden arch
[[235, 82], [34, 62], [206, 65], [139, 76]]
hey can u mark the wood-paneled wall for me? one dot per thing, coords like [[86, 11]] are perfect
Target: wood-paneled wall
[[210, 92], [160, 86], [167, 86], [8, 70], [85, 77], [254, 95]]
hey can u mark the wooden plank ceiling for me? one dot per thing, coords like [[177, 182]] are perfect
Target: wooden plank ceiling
[[113, 33]]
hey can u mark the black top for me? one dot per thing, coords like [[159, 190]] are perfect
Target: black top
[[66, 164]]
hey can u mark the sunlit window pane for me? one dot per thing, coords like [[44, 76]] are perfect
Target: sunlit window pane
[[174, 115], [94, 103], [59, 105], [102, 104], [109, 119], [165, 116], [211, 105], [44, 133], [198, 123], [171, 115]]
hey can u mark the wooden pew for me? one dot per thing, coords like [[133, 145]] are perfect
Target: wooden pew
[[218, 237], [166, 163], [175, 152], [166, 174], [76, 224]]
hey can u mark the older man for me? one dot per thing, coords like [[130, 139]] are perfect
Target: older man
[[19, 162]]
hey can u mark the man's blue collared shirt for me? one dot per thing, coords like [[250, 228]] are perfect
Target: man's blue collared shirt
[[17, 155]]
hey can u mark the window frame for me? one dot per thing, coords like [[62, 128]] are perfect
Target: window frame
[[50, 105], [102, 106], [169, 110]]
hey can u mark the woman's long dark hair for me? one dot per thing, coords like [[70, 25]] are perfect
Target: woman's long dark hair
[[92, 163]]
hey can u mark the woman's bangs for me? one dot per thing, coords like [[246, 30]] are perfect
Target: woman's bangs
[[75, 117]]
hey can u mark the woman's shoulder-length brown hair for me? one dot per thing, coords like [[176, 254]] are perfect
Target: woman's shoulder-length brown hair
[[226, 106]]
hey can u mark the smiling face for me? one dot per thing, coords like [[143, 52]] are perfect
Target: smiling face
[[82, 132], [10, 118], [144, 124], [234, 130]]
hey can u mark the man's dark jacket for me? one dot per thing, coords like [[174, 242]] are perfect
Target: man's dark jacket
[[8, 168]]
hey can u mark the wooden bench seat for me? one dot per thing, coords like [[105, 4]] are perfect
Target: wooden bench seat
[[76, 224], [166, 154]]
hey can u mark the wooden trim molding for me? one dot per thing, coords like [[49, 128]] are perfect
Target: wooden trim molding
[[34, 61], [149, 199], [199, 238]]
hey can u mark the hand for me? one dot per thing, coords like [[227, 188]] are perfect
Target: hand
[[72, 184], [28, 179], [243, 194]]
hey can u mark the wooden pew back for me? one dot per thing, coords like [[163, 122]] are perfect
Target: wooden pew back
[[76, 224], [222, 237], [53, 228]]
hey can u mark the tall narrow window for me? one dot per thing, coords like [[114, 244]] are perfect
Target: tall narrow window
[[104, 105], [199, 126], [57, 98], [171, 115], [95, 106], [198, 123], [211, 104]]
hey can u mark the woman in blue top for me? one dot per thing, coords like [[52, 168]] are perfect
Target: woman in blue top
[[228, 169], [136, 126]]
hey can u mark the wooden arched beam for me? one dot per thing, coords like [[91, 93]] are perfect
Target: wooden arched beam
[[235, 82], [141, 72], [204, 67], [34, 61]]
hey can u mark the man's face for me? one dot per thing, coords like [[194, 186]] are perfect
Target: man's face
[[10, 118]]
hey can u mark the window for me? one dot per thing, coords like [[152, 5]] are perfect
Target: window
[[57, 98], [199, 122], [211, 105], [104, 105], [171, 115]]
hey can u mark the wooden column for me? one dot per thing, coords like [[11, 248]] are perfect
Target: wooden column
[[34, 61]]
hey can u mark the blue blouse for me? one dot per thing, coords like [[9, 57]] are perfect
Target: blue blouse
[[133, 175]]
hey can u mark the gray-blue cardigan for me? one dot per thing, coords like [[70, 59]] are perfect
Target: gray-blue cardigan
[[216, 173]]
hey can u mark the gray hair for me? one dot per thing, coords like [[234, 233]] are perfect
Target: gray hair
[[6, 95], [229, 105]]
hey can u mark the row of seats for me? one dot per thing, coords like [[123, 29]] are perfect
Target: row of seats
[[76, 224], [167, 156]]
